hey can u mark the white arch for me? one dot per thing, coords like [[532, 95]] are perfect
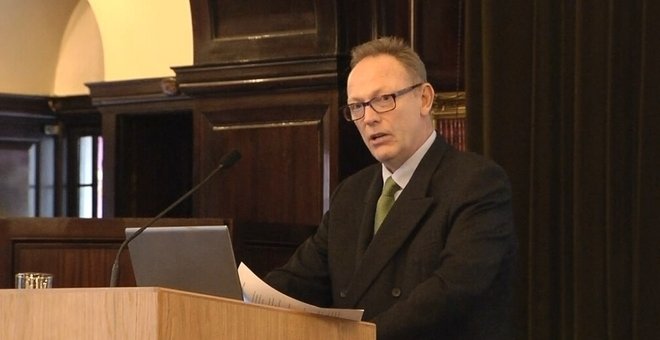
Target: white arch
[[30, 36], [144, 38], [81, 53], [46, 49]]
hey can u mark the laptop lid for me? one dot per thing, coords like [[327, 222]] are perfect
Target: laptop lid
[[197, 259]]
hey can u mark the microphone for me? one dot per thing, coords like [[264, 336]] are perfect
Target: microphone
[[227, 161]]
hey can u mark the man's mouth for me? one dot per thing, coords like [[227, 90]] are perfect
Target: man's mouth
[[378, 138]]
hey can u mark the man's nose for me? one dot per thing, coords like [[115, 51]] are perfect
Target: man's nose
[[370, 115]]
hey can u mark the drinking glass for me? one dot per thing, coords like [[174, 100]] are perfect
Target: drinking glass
[[33, 280]]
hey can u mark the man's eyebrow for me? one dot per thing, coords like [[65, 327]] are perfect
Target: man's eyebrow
[[373, 94]]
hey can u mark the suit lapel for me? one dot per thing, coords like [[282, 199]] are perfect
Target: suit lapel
[[404, 217], [367, 222]]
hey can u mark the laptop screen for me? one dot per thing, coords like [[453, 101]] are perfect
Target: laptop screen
[[196, 259]]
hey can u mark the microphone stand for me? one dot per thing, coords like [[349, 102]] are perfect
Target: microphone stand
[[226, 161]]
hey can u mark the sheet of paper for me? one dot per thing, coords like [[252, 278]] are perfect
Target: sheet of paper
[[257, 291]]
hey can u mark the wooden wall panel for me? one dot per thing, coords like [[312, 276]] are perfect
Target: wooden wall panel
[[435, 29], [437, 35], [232, 31], [79, 252], [264, 246], [280, 187], [152, 150], [281, 176], [147, 141], [73, 263]]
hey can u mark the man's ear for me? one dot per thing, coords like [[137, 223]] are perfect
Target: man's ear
[[428, 95]]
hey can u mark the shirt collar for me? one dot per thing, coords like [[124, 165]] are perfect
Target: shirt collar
[[404, 173]]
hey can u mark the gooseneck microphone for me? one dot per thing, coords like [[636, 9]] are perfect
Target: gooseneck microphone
[[227, 161]]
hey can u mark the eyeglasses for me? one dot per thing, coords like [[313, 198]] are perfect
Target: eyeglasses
[[380, 104]]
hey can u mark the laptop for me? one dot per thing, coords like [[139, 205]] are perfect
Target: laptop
[[196, 259]]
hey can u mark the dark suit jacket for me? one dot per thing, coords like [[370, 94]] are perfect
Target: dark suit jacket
[[440, 265]]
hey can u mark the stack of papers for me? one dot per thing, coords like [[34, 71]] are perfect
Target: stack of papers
[[257, 291]]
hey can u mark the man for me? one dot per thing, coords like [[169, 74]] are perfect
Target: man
[[439, 265]]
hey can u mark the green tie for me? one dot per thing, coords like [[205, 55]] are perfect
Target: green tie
[[385, 202]]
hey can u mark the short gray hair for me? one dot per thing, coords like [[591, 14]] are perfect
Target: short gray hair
[[397, 48]]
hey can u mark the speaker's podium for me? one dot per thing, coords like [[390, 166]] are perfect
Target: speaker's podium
[[158, 313]]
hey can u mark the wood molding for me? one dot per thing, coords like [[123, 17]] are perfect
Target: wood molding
[[147, 90], [261, 76], [27, 106], [23, 118]]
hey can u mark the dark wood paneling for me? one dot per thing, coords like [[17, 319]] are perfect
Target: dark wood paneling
[[356, 22], [435, 29], [279, 189], [24, 105], [240, 78], [283, 175], [232, 31], [78, 252], [22, 118], [282, 116], [236, 19], [437, 36], [264, 246], [135, 91], [147, 140], [70, 261], [153, 150]]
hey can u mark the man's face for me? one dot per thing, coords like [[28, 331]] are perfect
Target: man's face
[[393, 136]]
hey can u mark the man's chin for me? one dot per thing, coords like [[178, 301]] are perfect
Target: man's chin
[[381, 155]]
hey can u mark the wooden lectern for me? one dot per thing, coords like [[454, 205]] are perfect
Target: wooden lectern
[[158, 313]]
